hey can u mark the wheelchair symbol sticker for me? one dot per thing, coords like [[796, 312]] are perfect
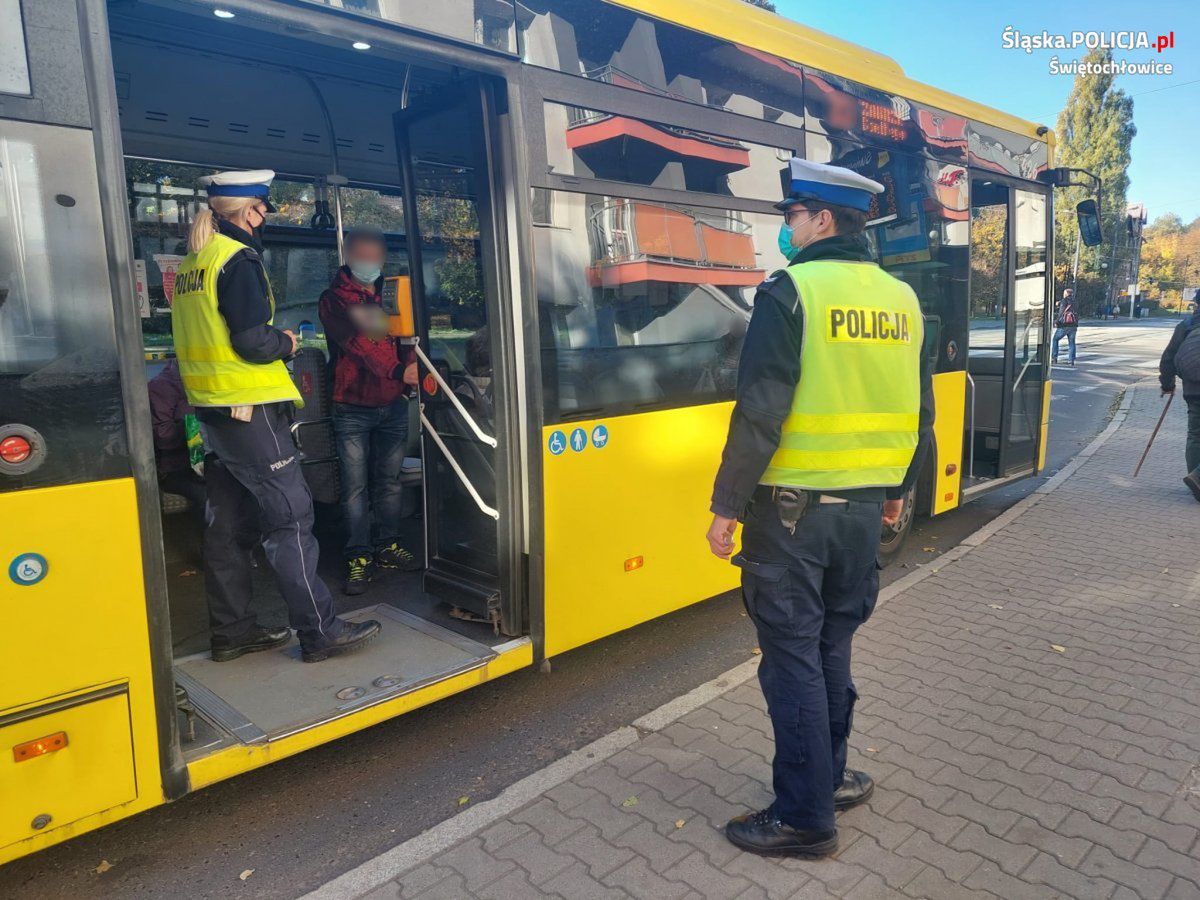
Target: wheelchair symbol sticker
[[28, 568], [599, 436], [557, 443], [578, 440]]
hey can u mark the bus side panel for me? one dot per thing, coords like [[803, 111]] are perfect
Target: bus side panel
[[949, 394], [79, 631], [1047, 389], [625, 522]]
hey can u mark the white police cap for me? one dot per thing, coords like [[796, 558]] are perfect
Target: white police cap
[[804, 180], [252, 183]]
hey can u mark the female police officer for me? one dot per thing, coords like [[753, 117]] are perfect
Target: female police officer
[[231, 360], [834, 408]]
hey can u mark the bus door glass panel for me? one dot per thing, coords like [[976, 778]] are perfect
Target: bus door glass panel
[[1027, 329], [58, 355], [987, 326], [447, 171]]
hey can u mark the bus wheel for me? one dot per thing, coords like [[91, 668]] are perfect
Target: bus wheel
[[892, 537]]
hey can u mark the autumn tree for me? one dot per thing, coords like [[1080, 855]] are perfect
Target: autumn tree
[[1095, 132]]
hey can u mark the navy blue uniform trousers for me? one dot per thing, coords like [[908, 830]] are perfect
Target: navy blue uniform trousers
[[807, 593], [256, 491]]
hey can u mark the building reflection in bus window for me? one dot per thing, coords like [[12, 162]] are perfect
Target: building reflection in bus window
[[839, 111], [590, 143], [487, 22], [644, 305], [1002, 151], [605, 42], [918, 231]]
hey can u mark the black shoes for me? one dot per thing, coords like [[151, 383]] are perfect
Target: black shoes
[[1192, 480], [351, 636], [857, 787], [393, 556], [257, 639], [765, 835], [358, 575]]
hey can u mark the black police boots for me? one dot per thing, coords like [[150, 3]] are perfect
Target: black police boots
[[1192, 480], [857, 787], [257, 639], [765, 835], [350, 636]]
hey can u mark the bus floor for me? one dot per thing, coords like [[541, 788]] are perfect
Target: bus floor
[[264, 696]]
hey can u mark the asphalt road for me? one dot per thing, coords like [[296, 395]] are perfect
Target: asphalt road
[[302, 821]]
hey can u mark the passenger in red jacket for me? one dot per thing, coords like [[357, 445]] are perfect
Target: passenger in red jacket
[[372, 378]]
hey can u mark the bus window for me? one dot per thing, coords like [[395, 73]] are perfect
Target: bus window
[[604, 42], [918, 233], [487, 22], [14, 62], [644, 305], [591, 143], [58, 358], [989, 269]]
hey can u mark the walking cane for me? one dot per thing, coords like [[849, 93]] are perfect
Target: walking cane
[[1154, 434]]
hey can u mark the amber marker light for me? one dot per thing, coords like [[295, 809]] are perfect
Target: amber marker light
[[43, 745], [634, 563]]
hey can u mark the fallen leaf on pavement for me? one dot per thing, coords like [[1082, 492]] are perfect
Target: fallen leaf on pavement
[[1058, 648], [629, 801], [464, 800], [872, 749], [1176, 605], [930, 549], [995, 606], [756, 652], [246, 873], [679, 823], [104, 866]]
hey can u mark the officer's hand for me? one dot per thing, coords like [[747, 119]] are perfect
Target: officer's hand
[[720, 536], [892, 510], [1166, 392], [410, 373], [295, 340]]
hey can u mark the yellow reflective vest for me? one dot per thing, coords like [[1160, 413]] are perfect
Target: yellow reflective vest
[[213, 373], [855, 411]]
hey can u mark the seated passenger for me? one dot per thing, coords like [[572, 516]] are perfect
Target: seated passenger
[[373, 374], [168, 406]]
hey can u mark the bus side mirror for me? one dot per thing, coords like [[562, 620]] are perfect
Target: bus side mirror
[[1089, 223]]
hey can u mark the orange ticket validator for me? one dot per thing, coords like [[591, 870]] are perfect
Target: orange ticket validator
[[398, 304]]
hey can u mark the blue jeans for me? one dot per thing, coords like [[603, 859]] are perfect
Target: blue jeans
[[1069, 332], [807, 593], [371, 443]]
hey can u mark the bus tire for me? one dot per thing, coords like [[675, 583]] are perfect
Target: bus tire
[[892, 537]]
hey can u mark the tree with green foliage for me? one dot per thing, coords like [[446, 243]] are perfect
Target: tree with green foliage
[[762, 4], [1095, 132]]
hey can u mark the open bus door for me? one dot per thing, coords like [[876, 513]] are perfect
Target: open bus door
[[1007, 349], [456, 248]]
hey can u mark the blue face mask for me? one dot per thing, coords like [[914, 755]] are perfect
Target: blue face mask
[[785, 240], [365, 274]]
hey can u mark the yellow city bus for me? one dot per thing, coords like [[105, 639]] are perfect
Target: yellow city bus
[[578, 195]]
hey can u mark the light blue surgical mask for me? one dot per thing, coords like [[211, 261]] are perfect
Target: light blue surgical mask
[[365, 274], [785, 238], [785, 241]]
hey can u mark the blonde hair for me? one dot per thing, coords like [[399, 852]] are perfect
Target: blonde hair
[[203, 226]]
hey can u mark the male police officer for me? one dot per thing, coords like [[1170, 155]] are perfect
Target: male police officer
[[833, 409], [231, 361]]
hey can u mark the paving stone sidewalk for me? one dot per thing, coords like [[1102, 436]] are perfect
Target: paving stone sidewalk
[[1031, 713]]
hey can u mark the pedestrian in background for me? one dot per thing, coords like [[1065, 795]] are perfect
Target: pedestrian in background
[[1181, 359], [1066, 323]]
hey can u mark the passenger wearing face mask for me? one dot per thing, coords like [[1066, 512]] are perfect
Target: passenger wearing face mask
[[373, 376], [231, 364]]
